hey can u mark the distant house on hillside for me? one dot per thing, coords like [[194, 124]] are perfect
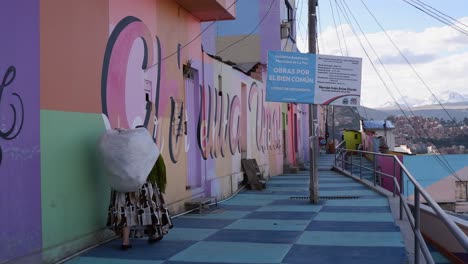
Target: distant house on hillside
[[381, 128]]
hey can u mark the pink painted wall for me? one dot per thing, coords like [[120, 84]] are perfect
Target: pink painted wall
[[389, 166]]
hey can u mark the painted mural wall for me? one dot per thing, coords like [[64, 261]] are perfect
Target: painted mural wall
[[74, 193], [190, 102], [389, 166], [265, 37], [20, 188], [439, 178], [131, 69]]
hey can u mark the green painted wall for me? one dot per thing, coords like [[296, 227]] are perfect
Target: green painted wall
[[75, 194], [352, 138]]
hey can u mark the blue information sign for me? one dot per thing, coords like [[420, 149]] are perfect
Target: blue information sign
[[291, 77]]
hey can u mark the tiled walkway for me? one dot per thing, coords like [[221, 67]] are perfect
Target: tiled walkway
[[276, 226]]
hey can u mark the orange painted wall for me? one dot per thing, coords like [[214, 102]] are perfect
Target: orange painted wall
[[73, 39]]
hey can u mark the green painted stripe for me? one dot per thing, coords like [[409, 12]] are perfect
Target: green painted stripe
[[291, 208], [355, 217], [75, 195], [355, 239], [359, 202], [218, 215], [266, 224]]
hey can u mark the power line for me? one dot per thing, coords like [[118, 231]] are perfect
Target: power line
[[191, 41], [437, 17], [251, 32], [446, 164], [443, 162], [336, 29], [341, 29], [409, 64], [442, 13], [320, 31], [299, 21]]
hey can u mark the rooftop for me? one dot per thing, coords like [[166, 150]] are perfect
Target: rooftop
[[377, 124]]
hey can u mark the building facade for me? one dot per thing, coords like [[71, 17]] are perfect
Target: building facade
[[260, 26], [70, 70]]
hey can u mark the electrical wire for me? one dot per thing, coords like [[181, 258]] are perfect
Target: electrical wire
[[443, 161], [319, 39], [410, 65], [442, 18], [442, 13], [336, 27], [298, 21], [436, 16], [251, 32], [446, 164], [191, 41], [342, 31]]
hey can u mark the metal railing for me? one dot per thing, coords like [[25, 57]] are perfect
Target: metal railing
[[344, 157]]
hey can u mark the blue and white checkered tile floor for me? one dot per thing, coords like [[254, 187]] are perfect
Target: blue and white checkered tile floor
[[269, 227]]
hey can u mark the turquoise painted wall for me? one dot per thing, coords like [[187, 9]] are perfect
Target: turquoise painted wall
[[429, 169], [69, 163]]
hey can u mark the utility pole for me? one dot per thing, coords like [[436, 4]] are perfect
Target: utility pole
[[313, 151]]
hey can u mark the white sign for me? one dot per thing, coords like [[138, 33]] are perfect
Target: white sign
[[338, 80], [313, 79]]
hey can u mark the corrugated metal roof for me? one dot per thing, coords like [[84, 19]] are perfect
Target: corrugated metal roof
[[377, 124]]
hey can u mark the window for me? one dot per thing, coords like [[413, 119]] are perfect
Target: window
[[290, 18], [461, 188]]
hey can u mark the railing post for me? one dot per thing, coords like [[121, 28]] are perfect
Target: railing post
[[416, 216], [335, 159], [360, 165], [375, 170], [394, 176], [401, 193], [343, 165]]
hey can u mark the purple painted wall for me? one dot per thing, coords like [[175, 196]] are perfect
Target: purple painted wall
[[20, 183], [270, 29]]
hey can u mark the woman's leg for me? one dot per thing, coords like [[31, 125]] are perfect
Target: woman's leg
[[126, 237]]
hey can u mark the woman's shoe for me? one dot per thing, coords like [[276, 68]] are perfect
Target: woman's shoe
[[125, 247], [153, 240]]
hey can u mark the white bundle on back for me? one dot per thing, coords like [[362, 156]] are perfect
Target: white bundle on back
[[128, 157]]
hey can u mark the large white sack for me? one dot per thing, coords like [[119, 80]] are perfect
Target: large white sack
[[128, 157]]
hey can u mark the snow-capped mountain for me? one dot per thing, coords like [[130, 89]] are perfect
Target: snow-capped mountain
[[401, 102], [446, 97], [443, 97]]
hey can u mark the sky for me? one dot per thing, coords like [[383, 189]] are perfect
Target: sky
[[438, 53]]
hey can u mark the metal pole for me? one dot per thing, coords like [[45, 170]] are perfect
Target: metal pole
[[360, 165], [394, 176], [401, 193], [343, 165], [313, 182], [333, 128], [416, 225], [375, 170]]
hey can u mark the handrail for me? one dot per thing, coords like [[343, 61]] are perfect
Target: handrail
[[459, 234], [339, 144], [418, 191]]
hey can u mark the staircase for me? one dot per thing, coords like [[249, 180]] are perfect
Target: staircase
[[325, 162], [358, 168]]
